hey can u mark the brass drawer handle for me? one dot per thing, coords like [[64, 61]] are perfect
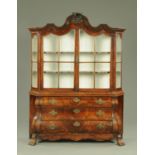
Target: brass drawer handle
[[76, 124], [76, 111], [99, 101], [53, 112], [100, 126], [99, 113], [52, 101], [76, 100], [52, 127]]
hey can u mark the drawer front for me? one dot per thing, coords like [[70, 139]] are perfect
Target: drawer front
[[76, 126], [75, 101], [76, 114]]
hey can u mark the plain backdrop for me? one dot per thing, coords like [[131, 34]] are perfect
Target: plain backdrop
[[115, 13]]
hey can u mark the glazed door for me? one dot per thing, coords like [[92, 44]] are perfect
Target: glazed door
[[58, 60], [94, 61], [78, 60]]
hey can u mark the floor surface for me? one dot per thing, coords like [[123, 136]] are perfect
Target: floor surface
[[78, 148]]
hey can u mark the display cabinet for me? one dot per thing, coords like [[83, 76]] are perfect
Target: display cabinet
[[76, 90]]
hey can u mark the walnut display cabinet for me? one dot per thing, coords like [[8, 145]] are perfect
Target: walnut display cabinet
[[76, 92]]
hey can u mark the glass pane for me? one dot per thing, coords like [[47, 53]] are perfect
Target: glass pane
[[49, 56], [102, 80], [34, 56], [67, 42], [118, 75], [66, 80], [86, 57], [50, 67], [66, 67], [102, 67], [86, 67], [34, 80], [118, 57], [118, 67], [86, 80], [103, 43], [118, 80], [50, 80], [34, 75], [118, 43], [34, 48], [67, 56], [35, 43], [102, 57], [86, 42], [50, 43]]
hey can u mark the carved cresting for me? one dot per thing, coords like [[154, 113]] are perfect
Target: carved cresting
[[76, 18]]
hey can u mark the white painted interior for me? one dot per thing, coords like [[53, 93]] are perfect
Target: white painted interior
[[85, 67], [86, 42], [34, 56], [34, 80], [100, 57], [34, 75], [118, 80], [35, 43], [50, 80], [118, 67], [50, 43], [67, 56], [49, 56], [118, 43], [67, 45], [103, 43], [118, 75], [102, 67], [66, 80], [66, 67], [67, 42], [86, 80], [118, 56], [102, 80], [50, 67], [86, 57]]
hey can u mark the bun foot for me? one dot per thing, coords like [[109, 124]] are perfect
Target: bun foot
[[33, 140], [120, 142]]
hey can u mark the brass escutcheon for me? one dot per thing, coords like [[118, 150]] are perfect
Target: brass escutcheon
[[52, 127], [52, 101], [76, 124], [99, 101], [99, 113], [53, 112], [76, 111], [76, 100], [100, 126]]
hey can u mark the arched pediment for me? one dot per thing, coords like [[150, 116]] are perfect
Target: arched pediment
[[75, 21]]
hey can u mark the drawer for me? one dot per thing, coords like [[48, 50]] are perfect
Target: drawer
[[75, 101], [76, 114], [76, 126]]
